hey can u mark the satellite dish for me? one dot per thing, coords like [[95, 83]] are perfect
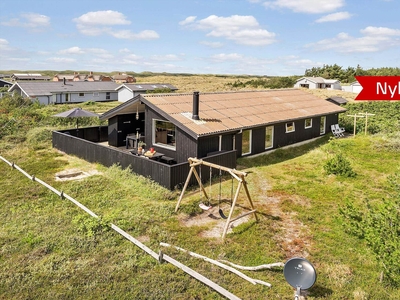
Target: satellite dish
[[300, 274]]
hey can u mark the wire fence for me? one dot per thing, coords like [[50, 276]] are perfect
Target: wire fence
[[158, 256]]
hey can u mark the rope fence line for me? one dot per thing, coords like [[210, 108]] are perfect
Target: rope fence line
[[159, 257]]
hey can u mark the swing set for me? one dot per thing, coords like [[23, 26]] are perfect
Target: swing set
[[238, 175]]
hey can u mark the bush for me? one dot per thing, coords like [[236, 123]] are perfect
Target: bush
[[379, 226], [39, 137], [91, 226], [339, 165]]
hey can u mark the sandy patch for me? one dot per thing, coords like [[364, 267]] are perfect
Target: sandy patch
[[212, 219], [74, 174]]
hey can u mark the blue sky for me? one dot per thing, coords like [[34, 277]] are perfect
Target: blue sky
[[255, 37]]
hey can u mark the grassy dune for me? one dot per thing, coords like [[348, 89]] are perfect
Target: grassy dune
[[50, 249]]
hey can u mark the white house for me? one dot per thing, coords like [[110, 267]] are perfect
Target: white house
[[317, 83], [128, 91], [354, 87], [47, 92]]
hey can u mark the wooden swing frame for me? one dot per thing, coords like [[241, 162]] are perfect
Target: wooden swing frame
[[238, 175]]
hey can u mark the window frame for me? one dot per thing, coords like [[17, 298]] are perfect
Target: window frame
[[159, 144], [250, 140], [272, 137], [305, 123], [322, 125], [293, 125], [81, 94]]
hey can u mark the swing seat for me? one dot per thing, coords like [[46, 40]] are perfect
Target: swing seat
[[221, 213], [204, 207]]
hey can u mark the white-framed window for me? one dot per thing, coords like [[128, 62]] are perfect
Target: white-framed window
[[322, 125], [289, 127], [246, 141], [164, 134], [269, 137], [108, 95], [308, 123], [81, 94]]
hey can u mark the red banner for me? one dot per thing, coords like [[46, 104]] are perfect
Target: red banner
[[377, 88]]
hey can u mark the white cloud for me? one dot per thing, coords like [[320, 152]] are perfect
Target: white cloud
[[61, 60], [243, 30], [129, 35], [124, 50], [4, 45], [131, 59], [301, 63], [103, 17], [334, 17], [188, 20], [32, 21], [212, 44], [72, 50], [306, 6], [100, 53], [96, 23], [375, 39], [222, 57], [167, 57], [380, 31]]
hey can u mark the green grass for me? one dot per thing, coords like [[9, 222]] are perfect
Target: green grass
[[46, 254], [51, 249]]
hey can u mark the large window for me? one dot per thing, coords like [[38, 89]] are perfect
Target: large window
[[322, 125], [269, 137], [290, 127], [246, 142], [164, 134], [308, 123]]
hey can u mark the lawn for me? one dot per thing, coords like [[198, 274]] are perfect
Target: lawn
[[51, 249]]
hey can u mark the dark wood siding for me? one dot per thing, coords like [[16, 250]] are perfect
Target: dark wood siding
[[207, 144], [169, 176], [281, 138], [122, 125], [186, 144], [258, 140]]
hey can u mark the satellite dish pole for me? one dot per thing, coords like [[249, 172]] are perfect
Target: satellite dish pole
[[300, 274]]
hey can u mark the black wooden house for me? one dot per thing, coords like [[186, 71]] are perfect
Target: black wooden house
[[202, 124]]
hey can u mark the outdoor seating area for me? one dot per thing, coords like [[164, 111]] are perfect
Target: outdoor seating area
[[149, 155], [337, 131]]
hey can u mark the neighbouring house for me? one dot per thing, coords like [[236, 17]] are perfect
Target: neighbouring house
[[195, 125], [81, 77], [29, 77], [317, 83], [354, 87], [123, 78], [66, 92], [128, 91], [4, 83]]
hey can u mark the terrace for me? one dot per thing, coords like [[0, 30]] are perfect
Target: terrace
[[91, 144]]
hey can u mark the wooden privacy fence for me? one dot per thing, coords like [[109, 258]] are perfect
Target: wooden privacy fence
[[158, 256], [168, 176]]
